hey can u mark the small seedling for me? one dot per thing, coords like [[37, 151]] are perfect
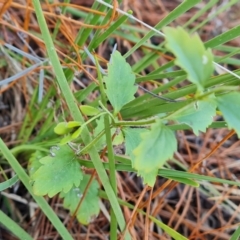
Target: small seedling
[[149, 142]]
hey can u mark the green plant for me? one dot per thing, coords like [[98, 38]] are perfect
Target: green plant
[[149, 142], [149, 139]]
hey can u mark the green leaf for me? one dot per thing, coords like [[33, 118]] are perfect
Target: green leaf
[[191, 55], [102, 141], [65, 140], [66, 127], [10, 182], [132, 139], [59, 172], [120, 81], [89, 110], [77, 133], [156, 147], [118, 139], [73, 124], [171, 232], [89, 208], [34, 163], [198, 115], [61, 128], [229, 105]]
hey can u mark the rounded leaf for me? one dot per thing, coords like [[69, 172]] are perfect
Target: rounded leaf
[[59, 172], [61, 128], [90, 208]]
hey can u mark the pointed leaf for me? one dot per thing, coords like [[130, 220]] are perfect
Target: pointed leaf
[[73, 124], [191, 55], [89, 110], [89, 208], [156, 147], [77, 133], [229, 105], [120, 81], [199, 115], [59, 172], [66, 127]]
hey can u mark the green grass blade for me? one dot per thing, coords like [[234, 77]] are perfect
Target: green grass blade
[[84, 33], [185, 181], [8, 183], [171, 232], [178, 11], [39, 200], [76, 114], [109, 31], [145, 61], [13, 227], [203, 10], [236, 234], [58, 23], [111, 159], [166, 173], [214, 14], [223, 38]]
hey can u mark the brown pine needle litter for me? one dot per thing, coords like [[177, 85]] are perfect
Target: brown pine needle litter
[[208, 212]]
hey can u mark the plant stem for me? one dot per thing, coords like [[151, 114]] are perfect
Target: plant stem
[[135, 123], [50, 214], [76, 114], [111, 159], [14, 227], [92, 143]]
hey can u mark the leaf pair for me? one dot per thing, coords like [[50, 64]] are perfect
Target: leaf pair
[[149, 150], [61, 173], [71, 129], [197, 61]]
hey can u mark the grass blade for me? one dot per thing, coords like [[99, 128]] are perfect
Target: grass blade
[[8, 183], [40, 200], [178, 11], [76, 114], [13, 227]]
